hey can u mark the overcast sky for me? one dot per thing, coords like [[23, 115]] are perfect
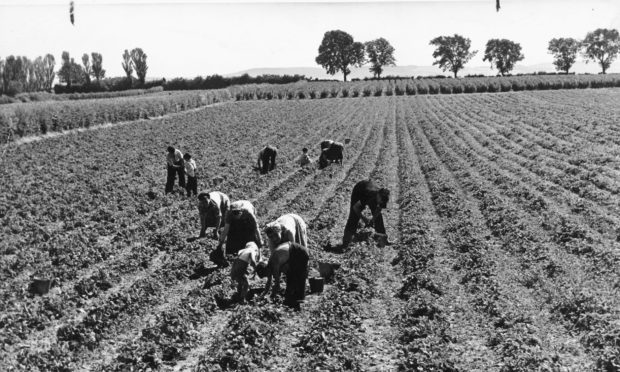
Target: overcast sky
[[191, 38]]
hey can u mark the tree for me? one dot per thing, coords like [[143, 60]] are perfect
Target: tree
[[602, 46], [564, 52], [48, 62], [138, 58], [14, 75], [87, 67], [70, 72], [338, 51], [97, 69], [380, 53], [503, 53], [452, 52], [127, 64]]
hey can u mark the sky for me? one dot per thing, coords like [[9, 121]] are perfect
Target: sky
[[193, 37]]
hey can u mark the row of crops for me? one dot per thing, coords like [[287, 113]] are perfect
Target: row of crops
[[409, 87], [36, 118], [46, 96]]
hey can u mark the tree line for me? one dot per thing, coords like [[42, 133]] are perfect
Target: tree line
[[339, 51], [19, 74]]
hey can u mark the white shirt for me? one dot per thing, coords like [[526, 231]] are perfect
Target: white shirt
[[190, 168], [249, 254]]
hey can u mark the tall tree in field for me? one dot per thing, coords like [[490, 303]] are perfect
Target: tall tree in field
[[70, 72], [87, 67], [127, 64], [452, 52], [380, 53], [39, 72], [48, 63], [503, 54], [564, 52], [97, 69], [338, 51], [15, 74], [66, 70], [138, 57], [601, 45]]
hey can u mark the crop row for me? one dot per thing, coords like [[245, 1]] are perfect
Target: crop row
[[408, 87], [542, 257], [36, 118], [245, 185]]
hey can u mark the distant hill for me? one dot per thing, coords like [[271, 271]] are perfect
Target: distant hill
[[360, 73]]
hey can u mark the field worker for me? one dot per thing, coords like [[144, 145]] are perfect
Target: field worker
[[242, 268], [174, 162], [287, 228], [240, 227], [303, 159], [192, 178], [366, 193], [291, 259], [330, 154], [325, 144], [267, 159], [212, 207]]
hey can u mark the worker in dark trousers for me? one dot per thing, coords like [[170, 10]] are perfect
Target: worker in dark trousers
[[267, 159], [292, 260], [240, 227], [366, 194], [175, 165]]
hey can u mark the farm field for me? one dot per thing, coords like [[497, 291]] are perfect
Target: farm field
[[504, 213]]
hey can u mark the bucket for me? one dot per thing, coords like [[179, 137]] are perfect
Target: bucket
[[316, 285], [41, 286]]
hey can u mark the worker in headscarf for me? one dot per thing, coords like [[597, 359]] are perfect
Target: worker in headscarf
[[267, 159], [240, 227], [366, 194], [212, 207], [292, 260], [287, 228]]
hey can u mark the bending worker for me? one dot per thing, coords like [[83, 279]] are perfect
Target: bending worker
[[292, 260], [287, 228], [267, 159], [366, 193], [240, 227], [212, 207]]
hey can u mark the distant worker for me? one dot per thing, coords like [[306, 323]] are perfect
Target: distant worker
[[267, 159], [366, 194], [303, 159], [174, 162], [330, 152], [240, 227], [192, 177], [292, 260], [242, 268], [212, 207], [287, 228]]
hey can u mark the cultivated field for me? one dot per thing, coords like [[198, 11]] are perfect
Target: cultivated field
[[504, 210]]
